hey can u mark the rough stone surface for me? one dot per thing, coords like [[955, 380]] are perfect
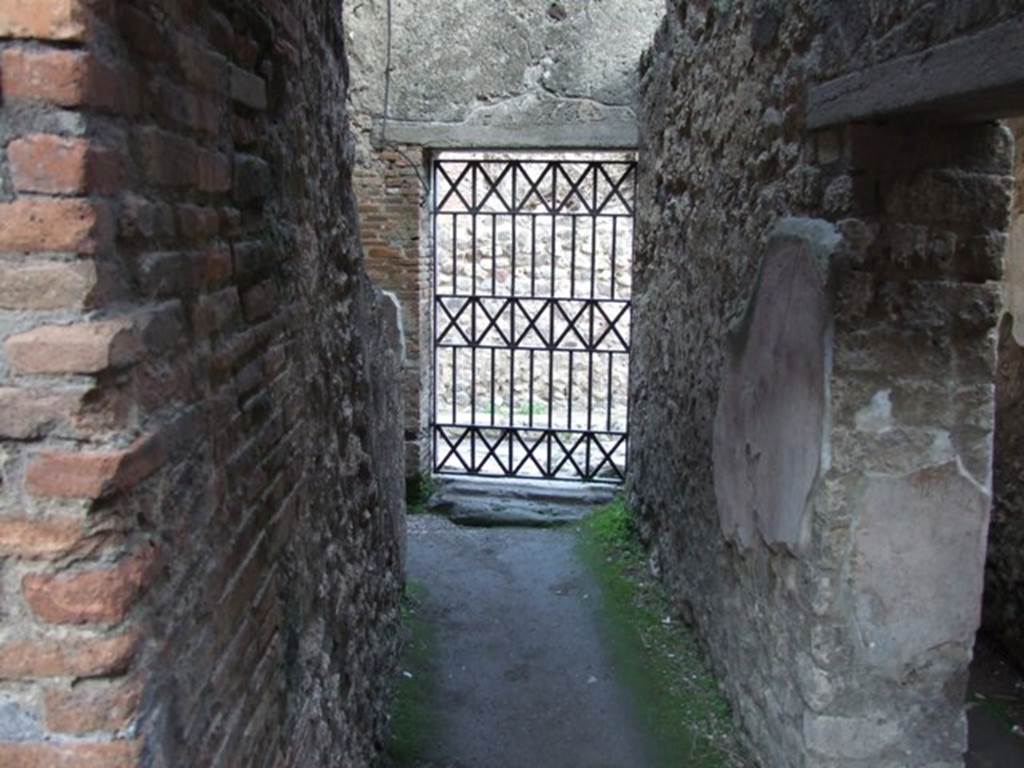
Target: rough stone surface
[[504, 74], [201, 515], [1003, 614], [921, 208]]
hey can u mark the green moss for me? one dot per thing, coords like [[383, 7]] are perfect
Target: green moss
[[418, 490], [413, 718], [659, 659], [1007, 710]]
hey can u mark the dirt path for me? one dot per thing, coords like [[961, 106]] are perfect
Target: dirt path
[[520, 673]]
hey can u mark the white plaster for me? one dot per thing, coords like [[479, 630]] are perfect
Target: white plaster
[[876, 416]]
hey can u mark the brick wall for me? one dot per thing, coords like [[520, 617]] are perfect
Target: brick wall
[[200, 502], [390, 196]]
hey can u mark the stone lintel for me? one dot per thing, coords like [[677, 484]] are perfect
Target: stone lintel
[[976, 77], [611, 133]]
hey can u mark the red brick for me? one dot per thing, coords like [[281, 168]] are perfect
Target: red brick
[[59, 77], [31, 414], [70, 657], [221, 33], [45, 19], [189, 109], [246, 50], [214, 265], [102, 595], [106, 754], [248, 89], [167, 159], [92, 706], [54, 164], [216, 311], [94, 474], [141, 32], [201, 66], [44, 224], [214, 172], [48, 285], [260, 301], [231, 221], [143, 220], [39, 539], [165, 273], [197, 223], [82, 348], [67, 79]]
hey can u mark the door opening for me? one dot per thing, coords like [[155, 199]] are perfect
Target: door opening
[[532, 259]]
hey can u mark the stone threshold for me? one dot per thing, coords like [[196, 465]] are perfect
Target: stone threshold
[[496, 502]]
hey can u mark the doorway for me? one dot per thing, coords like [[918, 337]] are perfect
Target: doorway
[[531, 270]]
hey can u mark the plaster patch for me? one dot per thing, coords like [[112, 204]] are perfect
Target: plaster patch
[[876, 416], [771, 416], [917, 564]]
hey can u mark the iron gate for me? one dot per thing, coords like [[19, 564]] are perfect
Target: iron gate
[[531, 278]]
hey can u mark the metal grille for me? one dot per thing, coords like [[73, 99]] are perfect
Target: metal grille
[[532, 269]]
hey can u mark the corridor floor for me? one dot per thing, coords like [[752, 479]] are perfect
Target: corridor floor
[[522, 675]]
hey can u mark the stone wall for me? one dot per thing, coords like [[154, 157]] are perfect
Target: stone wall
[[502, 75], [1003, 613], [812, 375], [200, 503]]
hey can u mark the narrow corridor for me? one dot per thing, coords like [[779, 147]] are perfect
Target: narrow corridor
[[522, 676]]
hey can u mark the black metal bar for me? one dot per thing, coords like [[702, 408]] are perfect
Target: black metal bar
[[608, 399], [533, 257], [572, 262], [530, 402], [433, 281], [572, 359], [554, 239], [593, 248], [455, 368], [472, 324], [615, 238], [494, 253], [455, 253]]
